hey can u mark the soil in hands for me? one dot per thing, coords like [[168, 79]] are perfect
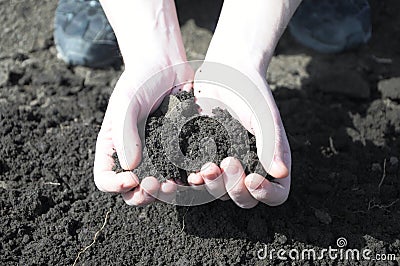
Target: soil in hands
[[178, 141]]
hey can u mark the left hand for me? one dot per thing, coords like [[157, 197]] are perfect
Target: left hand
[[247, 191]]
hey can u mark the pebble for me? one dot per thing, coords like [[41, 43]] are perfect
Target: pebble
[[392, 165], [394, 161], [323, 216], [280, 239], [376, 167], [95, 78], [4, 75], [47, 78], [3, 185], [390, 88]]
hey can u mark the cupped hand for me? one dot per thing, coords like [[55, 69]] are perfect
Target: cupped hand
[[228, 178], [138, 92]]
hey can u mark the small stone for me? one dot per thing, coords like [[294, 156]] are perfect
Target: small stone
[[183, 261], [142, 215], [280, 239], [3, 185], [34, 102], [376, 167], [31, 62], [394, 161], [46, 78], [81, 71], [4, 75], [97, 78], [26, 239], [392, 165], [323, 216], [390, 88], [93, 77]]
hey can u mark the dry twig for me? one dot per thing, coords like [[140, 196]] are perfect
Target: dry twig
[[383, 175], [94, 238], [381, 206], [332, 146]]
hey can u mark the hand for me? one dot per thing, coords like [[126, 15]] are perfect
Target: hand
[[132, 101], [248, 45], [150, 40], [246, 191]]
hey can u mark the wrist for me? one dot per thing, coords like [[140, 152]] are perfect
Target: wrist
[[162, 49], [238, 55], [145, 28], [250, 30]]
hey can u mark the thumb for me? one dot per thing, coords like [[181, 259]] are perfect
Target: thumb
[[125, 135], [281, 162]]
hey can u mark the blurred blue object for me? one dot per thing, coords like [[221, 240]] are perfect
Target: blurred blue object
[[332, 26], [83, 35]]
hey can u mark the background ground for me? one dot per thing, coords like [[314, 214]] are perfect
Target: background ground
[[343, 131]]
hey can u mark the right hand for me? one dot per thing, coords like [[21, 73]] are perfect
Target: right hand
[[131, 101], [150, 40]]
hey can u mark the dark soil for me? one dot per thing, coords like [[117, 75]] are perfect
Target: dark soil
[[179, 141], [345, 147]]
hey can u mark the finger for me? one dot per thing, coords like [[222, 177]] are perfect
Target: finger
[[195, 179], [281, 164], [110, 181], [279, 169], [137, 197], [167, 192], [143, 194], [125, 133], [104, 177], [233, 175], [213, 179], [268, 192], [281, 160]]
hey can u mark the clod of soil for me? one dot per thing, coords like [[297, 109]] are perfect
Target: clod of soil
[[178, 141]]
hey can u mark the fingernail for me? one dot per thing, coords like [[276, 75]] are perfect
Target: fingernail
[[231, 170], [205, 167], [252, 184]]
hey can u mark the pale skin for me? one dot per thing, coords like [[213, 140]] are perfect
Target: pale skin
[[149, 38]]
